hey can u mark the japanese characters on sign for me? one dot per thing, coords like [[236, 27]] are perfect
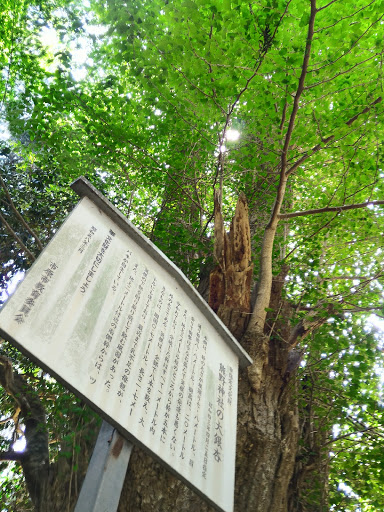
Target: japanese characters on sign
[[120, 325]]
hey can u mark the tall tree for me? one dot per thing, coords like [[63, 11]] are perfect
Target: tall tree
[[168, 87]]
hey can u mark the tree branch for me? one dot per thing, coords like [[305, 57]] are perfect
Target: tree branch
[[18, 214], [367, 109], [362, 309], [331, 78], [325, 6], [311, 321], [265, 276], [343, 55], [347, 278], [345, 436], [344, 17], [12, 455], [327, 209], [323, 143], [16, 237], [300, 88]]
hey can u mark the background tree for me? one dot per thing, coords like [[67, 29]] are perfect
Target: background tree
[[150, 115]]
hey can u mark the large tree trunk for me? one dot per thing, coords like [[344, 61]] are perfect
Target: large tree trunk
[[267, 440]]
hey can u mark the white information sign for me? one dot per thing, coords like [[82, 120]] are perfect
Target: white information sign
[[112, 318]]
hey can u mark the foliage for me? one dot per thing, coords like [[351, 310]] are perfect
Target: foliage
[[146, 116]]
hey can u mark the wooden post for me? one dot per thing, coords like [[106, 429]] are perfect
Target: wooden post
[[106, 472]]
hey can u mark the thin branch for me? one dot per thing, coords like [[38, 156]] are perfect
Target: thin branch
[[265, 283], [364, 430], [327, 209], [305, 157], [19, 216], [350, 121], [330, 79], [16, 237], [192, 84], [263, 52], [361, 309], [313, 320], [284, 113], [300, 87], [343, 55], [343, 178], [272, 327], [348, 278], [325, 6], [332, 93], [361, 424], [311, 235], [5, 420], [343, 18], [260, 61], [324, 142]]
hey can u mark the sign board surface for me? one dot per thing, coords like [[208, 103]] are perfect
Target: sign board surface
[[112, 318]]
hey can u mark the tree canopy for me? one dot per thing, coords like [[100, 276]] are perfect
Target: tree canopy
[[162, 103]]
